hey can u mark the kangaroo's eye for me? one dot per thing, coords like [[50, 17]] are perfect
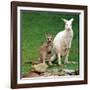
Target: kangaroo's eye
[[67, 24]]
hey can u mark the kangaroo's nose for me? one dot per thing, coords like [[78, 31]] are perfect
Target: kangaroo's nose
[[68, 29]]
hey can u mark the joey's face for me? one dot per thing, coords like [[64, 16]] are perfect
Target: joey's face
[[49, 38]]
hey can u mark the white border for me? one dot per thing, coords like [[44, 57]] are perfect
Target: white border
[[52, 78]]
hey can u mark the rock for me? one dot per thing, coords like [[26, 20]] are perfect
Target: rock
[[32, 74], [54, 71], [71, 71], [62, 73], [42, 67], [46, 74], [68, 70]]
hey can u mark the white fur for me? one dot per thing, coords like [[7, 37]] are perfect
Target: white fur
[[62, 42]]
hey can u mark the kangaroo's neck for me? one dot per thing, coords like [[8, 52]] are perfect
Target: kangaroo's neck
[[68, 33], [68, 30]]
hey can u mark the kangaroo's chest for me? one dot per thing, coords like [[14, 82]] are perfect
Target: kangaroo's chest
[[68, 36]]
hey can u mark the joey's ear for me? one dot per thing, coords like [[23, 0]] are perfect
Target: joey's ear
[[71, 20], [64, 20], [46, 34]]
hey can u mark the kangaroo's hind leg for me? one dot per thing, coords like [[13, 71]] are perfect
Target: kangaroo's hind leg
[[66, 57], [59, 58]]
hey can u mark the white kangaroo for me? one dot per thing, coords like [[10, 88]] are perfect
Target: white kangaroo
[[62, 42]]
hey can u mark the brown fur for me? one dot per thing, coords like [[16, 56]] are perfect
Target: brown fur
[[32, 74], [45, 49]]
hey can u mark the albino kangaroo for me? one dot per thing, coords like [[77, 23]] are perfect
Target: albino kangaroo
[[45, 49], [62, 42]]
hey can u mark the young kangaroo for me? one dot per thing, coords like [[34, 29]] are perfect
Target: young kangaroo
[[45, 49]]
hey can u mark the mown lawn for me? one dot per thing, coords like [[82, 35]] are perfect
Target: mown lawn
[[34, 24]]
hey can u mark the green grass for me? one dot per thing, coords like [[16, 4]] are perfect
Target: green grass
[[34, 24]]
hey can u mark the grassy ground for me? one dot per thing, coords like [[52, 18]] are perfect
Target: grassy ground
[[33, 26]]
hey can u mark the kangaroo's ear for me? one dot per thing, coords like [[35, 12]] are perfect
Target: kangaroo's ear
[[64, 20], [71, 20]]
